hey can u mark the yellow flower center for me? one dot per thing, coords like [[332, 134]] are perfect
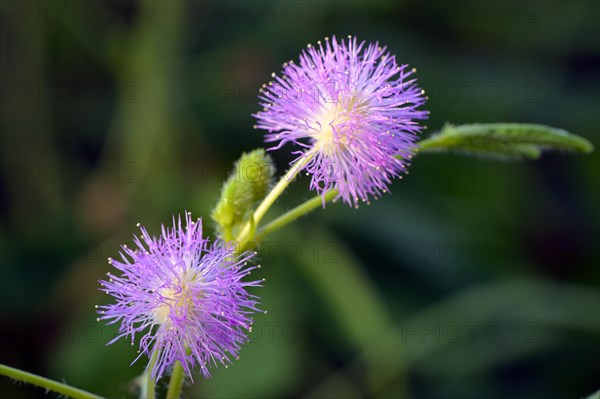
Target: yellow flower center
[[324, 135], [176, 299], [328, 141]]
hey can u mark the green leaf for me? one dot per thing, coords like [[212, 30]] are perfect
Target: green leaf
[[504, 140], [248, 184]]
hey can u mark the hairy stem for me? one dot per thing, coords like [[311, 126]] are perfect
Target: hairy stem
[[46, 383], [176, 382], [246, 234], [148, 383], [295, 213]]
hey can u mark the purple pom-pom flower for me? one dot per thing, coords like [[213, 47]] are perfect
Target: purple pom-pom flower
[[185, 297], [352, 111]]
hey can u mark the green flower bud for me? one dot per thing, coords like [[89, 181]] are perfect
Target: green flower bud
[[248, 184]]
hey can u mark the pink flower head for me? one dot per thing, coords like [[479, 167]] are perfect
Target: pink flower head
[[184, 296], [351, 111]]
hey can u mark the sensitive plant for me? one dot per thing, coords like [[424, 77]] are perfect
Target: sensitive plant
[[351, 112], [184, 295], [351, 116]]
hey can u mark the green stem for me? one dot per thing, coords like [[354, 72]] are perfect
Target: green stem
[[148, 383], [46, 383], [176, 382], [295, 213], [426, 143], [245, 234]]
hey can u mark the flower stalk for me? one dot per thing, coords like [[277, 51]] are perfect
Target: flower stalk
[[247, 233], [176, 382], [295, 213], [46, 383]]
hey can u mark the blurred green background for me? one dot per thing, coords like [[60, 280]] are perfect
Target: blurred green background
[[473, 279]]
